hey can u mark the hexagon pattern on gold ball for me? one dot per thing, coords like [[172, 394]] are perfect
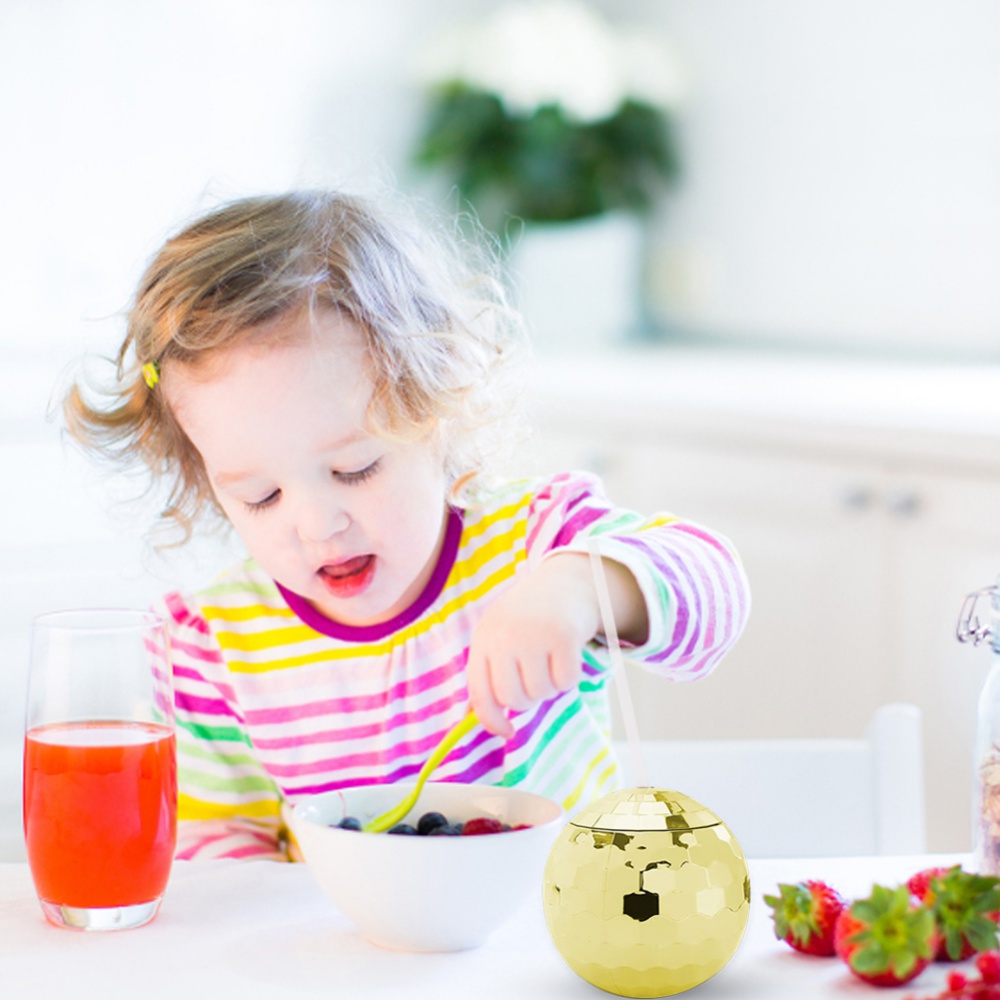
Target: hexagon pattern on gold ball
[[647, 893]]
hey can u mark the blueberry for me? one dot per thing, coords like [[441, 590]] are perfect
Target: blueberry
[[406, 829], [349, 823], [448, 830], [430, 821]]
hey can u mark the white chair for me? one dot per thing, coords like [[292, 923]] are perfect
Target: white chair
[[798, 798]]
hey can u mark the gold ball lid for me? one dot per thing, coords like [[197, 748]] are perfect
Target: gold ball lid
[[640, 809]]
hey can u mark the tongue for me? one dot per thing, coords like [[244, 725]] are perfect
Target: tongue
[[347, 568]]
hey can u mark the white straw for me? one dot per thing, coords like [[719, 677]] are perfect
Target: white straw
[[617, 665]]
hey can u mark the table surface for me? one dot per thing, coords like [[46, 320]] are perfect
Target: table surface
[[264, 929]]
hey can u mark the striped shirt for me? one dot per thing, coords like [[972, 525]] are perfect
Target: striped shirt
[[275, 702]]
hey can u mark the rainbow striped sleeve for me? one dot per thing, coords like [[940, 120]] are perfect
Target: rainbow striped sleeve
[[228, 806], [696, 591]]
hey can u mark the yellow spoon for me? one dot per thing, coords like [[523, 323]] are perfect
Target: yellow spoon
[[389, 819]]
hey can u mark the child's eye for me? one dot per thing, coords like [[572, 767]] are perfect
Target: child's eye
[[361, 475], [268, 501]]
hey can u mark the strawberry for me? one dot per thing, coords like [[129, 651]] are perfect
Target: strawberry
[[805, 914], [965, 908], [920, 883], [887, 938]]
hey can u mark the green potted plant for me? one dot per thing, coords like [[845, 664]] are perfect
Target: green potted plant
[[544, 113], [555, 129]]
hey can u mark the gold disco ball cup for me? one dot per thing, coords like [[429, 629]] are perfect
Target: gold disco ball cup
[[647, 893]]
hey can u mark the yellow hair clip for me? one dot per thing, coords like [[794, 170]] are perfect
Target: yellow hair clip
[[151, 373]]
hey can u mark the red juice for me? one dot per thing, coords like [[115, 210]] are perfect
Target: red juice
[[100, 811]]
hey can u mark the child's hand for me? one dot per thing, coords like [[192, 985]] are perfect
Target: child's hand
[[527, 646]]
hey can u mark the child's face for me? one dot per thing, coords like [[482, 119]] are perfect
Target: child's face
[[347, 520]]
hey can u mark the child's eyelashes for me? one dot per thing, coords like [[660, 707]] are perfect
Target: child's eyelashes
[[258, 505], [361, 475], [348, 478]]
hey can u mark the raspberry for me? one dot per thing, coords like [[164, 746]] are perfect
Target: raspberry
[[988, 964], [480, 825]]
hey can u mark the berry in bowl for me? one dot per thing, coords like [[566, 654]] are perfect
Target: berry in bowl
[[445, 887]]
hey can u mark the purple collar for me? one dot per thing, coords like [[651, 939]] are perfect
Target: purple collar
[[367, 633]]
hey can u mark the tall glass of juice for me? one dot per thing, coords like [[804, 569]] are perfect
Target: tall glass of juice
[[100, 767]]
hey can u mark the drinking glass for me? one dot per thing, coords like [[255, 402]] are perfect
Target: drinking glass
[[100, 767]]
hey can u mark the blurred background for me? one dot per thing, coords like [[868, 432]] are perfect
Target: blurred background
[[793, 331], [838, 160]]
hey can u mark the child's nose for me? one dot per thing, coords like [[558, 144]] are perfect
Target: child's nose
[[319, 521]]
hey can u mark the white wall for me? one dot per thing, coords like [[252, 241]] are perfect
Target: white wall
[[842, 184], [842, 157], [120, 120]]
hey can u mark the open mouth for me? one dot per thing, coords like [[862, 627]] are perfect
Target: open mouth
[[350, 577]]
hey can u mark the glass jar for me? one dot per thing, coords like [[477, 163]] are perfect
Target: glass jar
[[986, 762]]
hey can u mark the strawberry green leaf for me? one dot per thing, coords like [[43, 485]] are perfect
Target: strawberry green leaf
[[893, 935], [981, 934], [902, 964], [865, 910], [954, 941], [792, 914], [870, 959]]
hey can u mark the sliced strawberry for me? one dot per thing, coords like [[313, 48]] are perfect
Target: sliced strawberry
[[887, 938], [805, 914], [965, 907]]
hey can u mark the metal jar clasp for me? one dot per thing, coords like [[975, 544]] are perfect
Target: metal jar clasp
[[970, 629]]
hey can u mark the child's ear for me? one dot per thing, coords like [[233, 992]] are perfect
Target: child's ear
[[460, 489]]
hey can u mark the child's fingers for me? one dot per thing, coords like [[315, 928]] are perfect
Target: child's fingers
[[536, 678], [489, 711], [507, 681], [564, 668]]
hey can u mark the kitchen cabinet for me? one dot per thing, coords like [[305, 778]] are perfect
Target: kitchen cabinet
[[860, 538]]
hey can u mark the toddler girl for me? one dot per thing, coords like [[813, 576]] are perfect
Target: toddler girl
[[331, 380]]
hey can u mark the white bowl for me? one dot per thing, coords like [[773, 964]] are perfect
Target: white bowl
[[427, 893]]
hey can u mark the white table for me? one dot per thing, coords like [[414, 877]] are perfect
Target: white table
[[264, 929]]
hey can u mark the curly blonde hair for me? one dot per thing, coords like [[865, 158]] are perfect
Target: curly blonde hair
[[441, 340]]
